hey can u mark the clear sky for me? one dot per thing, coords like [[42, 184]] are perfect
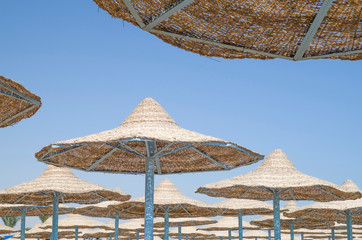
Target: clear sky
[[91, 70]]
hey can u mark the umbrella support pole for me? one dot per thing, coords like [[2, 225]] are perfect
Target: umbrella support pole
[[116, 224], [240, 218], [187, 237], [179, 231], [332, 233], [165, 236], [302, 236], [76, 232], [269, 234], [138, 234], [291, 230], [276, 208], [110, 236], [22, 224], [149, 189], [349, 225], [38, 238], [229, 234], [55, 216]]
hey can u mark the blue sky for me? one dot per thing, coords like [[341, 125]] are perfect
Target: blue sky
[[91, 70]]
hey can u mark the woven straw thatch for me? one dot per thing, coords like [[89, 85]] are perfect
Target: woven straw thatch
[[290, 205], [102, 209], [37, 231], [249, 207], [268, 222], [132, 225], [123, 149], [252, 29], [255, 234], [75, 220], [167, 194], [308, 231], [16, 102], [330, 211], [224, 234], [277, 172], [5, 229], [60, 180], [95, 233], [11, 210], [191, 231], [174, 222], [226, 223]]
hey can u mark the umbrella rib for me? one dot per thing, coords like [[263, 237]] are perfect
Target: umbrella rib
[[322, 12], [47, 194], [209, 157], [109, 211], [357, 211], [247, 151], [156, 211], [62, 198], [18, 114], [37, 208], [130, 207], [95, 164], [158, 166], [131, 148], [183, 147], [333, 54], [252, 211], [242, 49], [163, 149], [247, 190], [60, 152], [21, 198], [166, 14], [291, 194], [134, 13], [100, 195], [324, 190], [10, 88], [186, 210], [126, 150], [90, 209]]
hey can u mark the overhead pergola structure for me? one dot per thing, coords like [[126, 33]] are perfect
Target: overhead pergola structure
[[149, 141], [276, 178], [16, 102], [169, 202], [58, 184], [240, 207], [22, 210], [191, 231], [293, 30], [229, 224]]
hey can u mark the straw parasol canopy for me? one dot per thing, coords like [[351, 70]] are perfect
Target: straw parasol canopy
[[223, 234], [174, 222], [75, 220], [191, 231], [295, 30], [226, 223], [285, 223], [95, 233], [37, 231], [16, 102], [5, 229], [232, 206], [290, 205], [255, 234], [12, 210]]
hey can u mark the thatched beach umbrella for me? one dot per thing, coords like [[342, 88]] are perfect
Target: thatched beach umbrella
[[16, 102], [37, 232], [277, 178], [58, 183], [240, 207], [5, 229], [12, 210], [149, 141], [95, 233], [295, 30], [168, 201], [222, 234], [256, 234], [191, 231]]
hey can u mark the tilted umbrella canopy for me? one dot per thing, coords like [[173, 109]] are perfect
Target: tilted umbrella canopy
[[75, 220], [293, 30], [174, 222], [16, 102], [5, 229], [226, 223]]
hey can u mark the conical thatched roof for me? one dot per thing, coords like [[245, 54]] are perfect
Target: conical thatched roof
[[167, 194], [174, 222], [191, 231], [290, 205], [132, 225], [11, 210], [37, 231], [255, 234], [75, 220], [226, 223], [95, 233], [5, 229], [224, 234], [60, 180], [293, 30], [249, 207], [277, 172], [123, 149], [268, 222], [16, 102]]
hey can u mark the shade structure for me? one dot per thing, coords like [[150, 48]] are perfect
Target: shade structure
[[5, 229], [290, 205], [191, 221], [254, 29], [240, 207], [133, 225], [256, 234], [277, 178], [224, 234], [149, 141], [58, 183], [95, 233], [75, 220], [168, 202], [226, 223], [287, 223], [16, 102], [36, 231], [191, 231]]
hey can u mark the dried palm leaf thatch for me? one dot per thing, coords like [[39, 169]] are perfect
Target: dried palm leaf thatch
[[293, 30], [324, 236], [191, 231], [37, 231], [308, 231], [231, 207], [174, 222], [103, 209], [59, 180], [290, 205], [255, 234], [277, 172], [123, 149], [167, 195], [75, 220], [223, 234], [226, 223], [285, 222], [16, 102], [12, 210], [5, 229], [95, 233], [132, 226]]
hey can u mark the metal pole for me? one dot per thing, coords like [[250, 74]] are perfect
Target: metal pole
[[76, 232], [291, 230], [332, 230], [187, 237], [149, 188], [165, 236], [276, 207], [349, 225], [110, 236], [229, 234], [302, 236], [22, 224], [138, 234], [179, 231], [38, 238], [116, 224], [269, 234], [55, 216], [240, 217]]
